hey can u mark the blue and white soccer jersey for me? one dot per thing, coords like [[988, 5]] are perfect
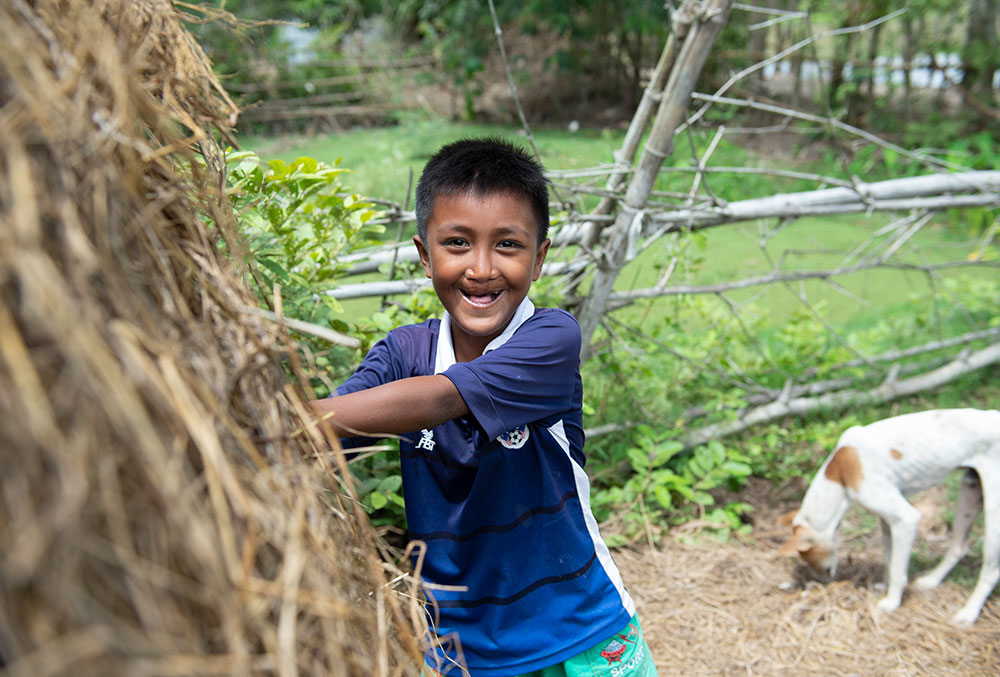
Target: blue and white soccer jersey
[[501, 498]]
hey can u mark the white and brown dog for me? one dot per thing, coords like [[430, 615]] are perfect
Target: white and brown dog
[[876, 464]]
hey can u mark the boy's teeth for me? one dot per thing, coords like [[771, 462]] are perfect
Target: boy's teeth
[[482, 298]]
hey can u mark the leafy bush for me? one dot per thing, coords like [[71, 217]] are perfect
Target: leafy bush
[[668, 487], [679, 375], [299, 220]]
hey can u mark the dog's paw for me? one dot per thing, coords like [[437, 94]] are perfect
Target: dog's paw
[[965, 618], [887, 605], [926, 583]]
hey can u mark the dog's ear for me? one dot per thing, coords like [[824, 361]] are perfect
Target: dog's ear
[[786, 519], [791, 547], [801, 541]]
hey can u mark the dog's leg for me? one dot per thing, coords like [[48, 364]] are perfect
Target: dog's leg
[[902, 519], [886, 554], [970, 501], [990, 573]]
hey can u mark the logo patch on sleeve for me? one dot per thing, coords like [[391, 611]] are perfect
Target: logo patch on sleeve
[[514, 439]]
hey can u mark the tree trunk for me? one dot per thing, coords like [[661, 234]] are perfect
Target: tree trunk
[[675, 99], [981, 53], [835, 96], [909, 52]]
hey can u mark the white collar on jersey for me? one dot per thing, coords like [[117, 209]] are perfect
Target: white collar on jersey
[[445, 356]]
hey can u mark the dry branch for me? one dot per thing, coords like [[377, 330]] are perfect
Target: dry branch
[[619, 299], [889, 390], [930, 192]]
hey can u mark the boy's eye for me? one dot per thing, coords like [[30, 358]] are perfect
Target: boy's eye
[[509, 244], [455, 242]]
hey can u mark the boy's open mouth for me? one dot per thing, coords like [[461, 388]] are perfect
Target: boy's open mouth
[[482, 299]]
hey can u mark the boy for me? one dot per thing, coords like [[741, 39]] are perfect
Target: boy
[[488, 403]]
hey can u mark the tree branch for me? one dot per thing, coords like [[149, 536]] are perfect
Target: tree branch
[[890, 390]]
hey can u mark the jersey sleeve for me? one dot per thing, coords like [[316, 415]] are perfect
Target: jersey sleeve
[[377, 368], [529, 378], [381, 365]]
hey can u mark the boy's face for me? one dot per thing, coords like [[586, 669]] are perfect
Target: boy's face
[[482, 253]]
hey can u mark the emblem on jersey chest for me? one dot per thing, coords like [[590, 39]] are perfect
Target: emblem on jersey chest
[[514, 439]]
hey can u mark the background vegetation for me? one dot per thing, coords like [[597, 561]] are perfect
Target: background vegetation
[[658, 361]]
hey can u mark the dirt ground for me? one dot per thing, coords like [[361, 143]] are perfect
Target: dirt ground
[[738, 609]]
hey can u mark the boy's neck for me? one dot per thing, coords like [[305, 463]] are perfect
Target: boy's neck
[[459, 347]]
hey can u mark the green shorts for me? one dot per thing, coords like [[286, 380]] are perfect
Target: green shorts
[[624, 654]]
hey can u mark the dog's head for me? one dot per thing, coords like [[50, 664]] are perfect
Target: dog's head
[[818, 551]]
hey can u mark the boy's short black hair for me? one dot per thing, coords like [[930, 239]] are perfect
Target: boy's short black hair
[[483, 166]]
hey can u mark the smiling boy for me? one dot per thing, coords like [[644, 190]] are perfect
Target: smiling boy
[[488, 403]]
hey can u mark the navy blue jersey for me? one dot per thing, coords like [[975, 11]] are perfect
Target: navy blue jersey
[[515, 567]]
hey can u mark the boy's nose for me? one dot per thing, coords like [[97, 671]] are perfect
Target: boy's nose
[[480, 266]]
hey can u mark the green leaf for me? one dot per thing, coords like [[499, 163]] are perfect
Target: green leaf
[[639, 460], [663, 496], [684, 490], [737, 468], [307, 165], [703, 498], [390, 484], [275, 268], [664, 451]]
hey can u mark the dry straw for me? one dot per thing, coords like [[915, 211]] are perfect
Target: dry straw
[[158, 513], [741, 610]]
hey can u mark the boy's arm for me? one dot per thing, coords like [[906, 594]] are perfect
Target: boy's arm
[[397, 407]]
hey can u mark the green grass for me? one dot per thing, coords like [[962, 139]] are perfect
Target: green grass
[[813, 243]]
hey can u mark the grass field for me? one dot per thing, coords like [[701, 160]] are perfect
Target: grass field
[[381, 159], [384, 161]]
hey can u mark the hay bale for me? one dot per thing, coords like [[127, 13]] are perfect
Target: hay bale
[[159, 515]]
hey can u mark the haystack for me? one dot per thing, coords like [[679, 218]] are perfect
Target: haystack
[[164, 508]]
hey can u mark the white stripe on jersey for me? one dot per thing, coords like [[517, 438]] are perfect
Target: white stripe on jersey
[[558, 433]]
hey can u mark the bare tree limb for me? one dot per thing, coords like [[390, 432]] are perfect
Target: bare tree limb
[[891, 389], [619, 299]]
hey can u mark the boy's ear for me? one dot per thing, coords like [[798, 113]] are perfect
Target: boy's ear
[[543, 249], [425, 259]]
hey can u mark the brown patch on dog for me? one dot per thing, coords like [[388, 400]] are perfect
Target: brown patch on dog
[[815, 557], [896, 454], [803, 542], [785, 519], [845, 468]]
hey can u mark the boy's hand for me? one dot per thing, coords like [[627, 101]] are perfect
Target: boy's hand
[[403, 406]]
